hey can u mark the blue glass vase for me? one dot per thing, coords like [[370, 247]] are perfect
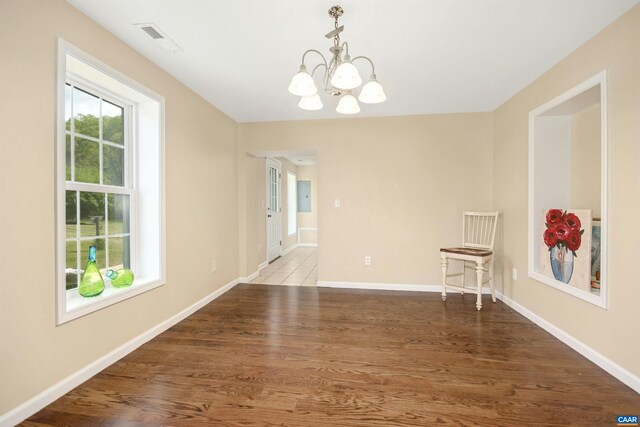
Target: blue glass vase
[[561, 263]]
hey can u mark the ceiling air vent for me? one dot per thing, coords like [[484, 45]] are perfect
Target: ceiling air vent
[[152, 32], [159, 37]]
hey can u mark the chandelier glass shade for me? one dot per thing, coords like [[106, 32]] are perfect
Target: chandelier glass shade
[[348, 105], [302, 83], [311, 103], [372, 92], [339, 76], [346, 76]]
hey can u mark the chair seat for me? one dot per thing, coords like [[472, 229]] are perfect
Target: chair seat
[[467, 251]]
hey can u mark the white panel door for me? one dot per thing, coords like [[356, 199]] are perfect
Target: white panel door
[[274, 220]]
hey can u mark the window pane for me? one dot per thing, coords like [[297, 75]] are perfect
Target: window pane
[[68, 158], [71, 214], [86, 110], [113, 163], [118, 205], [67, 106], [119, 255], [91, 214], [101, 256], [87, 161], [112, 124], [71, 266]]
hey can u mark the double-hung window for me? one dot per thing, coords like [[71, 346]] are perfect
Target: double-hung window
[[109, 174], [98, 187]]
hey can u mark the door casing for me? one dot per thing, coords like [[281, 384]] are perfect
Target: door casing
[[273, 208]]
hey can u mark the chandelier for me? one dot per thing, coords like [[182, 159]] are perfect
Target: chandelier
[[340, 77]]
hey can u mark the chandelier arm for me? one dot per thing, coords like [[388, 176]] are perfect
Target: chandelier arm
[[318, 66], [324, 77], [345, 46], [316, 51], [373, 68]]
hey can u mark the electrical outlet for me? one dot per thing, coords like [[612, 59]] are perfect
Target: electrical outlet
[[214, 266], [337, 203], [367, 260], [514, 274]]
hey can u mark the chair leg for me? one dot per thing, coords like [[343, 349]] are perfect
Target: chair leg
[[444, 263], [491, 284], [479, 274]]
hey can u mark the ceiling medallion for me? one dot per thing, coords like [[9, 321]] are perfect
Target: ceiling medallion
[[340, 77]]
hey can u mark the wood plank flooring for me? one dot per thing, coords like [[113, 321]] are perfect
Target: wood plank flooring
[[306, 356]]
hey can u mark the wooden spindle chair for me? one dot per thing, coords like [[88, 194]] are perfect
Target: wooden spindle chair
[[476, 253]]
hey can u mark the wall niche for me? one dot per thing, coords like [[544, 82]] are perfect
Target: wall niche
[[568, 191]]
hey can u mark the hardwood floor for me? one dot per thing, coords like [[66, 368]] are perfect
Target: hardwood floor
[[306, 356]]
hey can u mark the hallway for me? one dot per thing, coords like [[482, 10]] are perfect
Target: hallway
[[297, 268]]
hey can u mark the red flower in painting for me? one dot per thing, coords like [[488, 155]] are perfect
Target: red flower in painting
[[550, 238], [574, 240], [573, 222], [554, 216], [562, 232]]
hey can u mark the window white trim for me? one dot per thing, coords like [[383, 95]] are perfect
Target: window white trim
[[148, 107]]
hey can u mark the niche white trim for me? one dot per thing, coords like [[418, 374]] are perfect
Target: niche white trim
[[564, 103]]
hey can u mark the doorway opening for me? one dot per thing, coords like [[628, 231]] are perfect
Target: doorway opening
[[290, 218]]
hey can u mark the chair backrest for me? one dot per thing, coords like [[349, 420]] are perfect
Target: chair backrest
[[479, 229]]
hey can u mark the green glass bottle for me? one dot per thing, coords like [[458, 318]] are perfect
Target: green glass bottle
[[120, 278], [91, 283]]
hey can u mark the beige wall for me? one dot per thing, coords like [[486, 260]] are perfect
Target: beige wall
[[403, 183], [610, 332], [585, 160], [201, 176], [253, 227], [285, 167], [309, 219]]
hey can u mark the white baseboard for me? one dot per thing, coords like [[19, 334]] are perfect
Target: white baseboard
[[36, 403], [247, 279], [289, 249], [263, 265], [308, 245], [602, 361], [387, 286]]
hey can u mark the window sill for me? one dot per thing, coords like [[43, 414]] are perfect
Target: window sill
[[291, 234], [78, 306]]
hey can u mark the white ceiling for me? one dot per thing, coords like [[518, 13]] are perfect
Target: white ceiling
[[438, 56]]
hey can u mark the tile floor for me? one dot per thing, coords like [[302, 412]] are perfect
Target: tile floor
[[297, 268]]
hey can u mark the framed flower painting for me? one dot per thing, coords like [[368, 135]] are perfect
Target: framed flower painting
[[565, 252]]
